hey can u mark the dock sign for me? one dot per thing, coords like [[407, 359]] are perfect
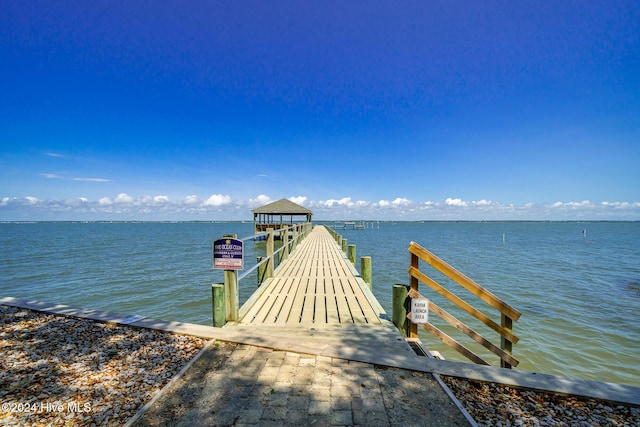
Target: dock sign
[[228, 254], [419, 310]]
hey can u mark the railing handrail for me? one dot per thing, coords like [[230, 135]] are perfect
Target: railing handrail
[[463, 281], [507, 312], [263, 261], [264, 233]]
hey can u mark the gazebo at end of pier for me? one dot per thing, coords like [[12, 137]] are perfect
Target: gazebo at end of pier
[[275, 215]]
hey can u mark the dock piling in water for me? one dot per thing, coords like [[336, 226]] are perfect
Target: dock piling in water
[[351, 254], [399, 309], [365, 270]]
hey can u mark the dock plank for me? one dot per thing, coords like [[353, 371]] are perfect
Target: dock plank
[[315, 286]]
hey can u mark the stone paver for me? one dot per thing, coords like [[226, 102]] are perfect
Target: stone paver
[[252, 386]]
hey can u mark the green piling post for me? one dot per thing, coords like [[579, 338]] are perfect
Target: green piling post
[[352, 254], [261, 270], [399, 313], [231, 294], [217, 303], [272, 260], [365, 270]]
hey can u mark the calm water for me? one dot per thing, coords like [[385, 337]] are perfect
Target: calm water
[[579, 295]]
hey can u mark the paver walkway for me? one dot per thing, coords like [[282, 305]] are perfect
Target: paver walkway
[[244, 385]]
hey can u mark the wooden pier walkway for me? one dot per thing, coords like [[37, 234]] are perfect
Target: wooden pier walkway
[[318, 294]]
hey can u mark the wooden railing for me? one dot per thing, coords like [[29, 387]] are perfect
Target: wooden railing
[[508, 314], [225, 301]]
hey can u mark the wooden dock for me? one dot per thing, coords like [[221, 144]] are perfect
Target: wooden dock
[[318, 294]]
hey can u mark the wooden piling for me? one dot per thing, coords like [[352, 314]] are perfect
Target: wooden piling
[[365, 270], [344, 245], [285, 243], [261, 270], [231, 299], [351, 254], [270, 267], [294, 239], [399, 311], [231, 295], [217, 304]]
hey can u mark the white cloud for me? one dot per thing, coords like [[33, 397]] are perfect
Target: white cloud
[[262, 199], [75, 202], [80, 179], [161, 199], [217, 200], [91, 179], [401, 201], [345, 201], [219, 206], [192, 200], [621, 205], [123, 198], [51, 175], [298, 199], [456, 202], [398, 201]]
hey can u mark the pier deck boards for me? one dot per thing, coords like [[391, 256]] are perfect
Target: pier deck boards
[[316, 286], [317, 294]]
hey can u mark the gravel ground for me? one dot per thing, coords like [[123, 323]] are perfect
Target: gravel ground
[[496, 405], [57, 370]]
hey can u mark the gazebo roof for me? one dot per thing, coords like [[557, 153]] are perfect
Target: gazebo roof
[[284, 207]]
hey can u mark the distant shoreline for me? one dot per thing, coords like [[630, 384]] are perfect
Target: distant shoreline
[[322, 221]]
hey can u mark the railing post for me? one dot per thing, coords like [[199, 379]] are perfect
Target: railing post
[[271, 262], [352, 254], [399, 313], [217, 303], [413, 284], [285, 243], [365, 270], [261, 270], [231, 300], [231, 294], [344, 245], [507, 323]]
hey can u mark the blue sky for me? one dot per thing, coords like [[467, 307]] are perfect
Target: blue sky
[[362, 109]]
